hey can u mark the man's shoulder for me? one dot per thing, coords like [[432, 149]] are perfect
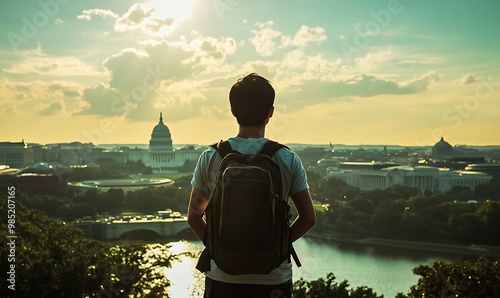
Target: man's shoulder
[[207, 154]]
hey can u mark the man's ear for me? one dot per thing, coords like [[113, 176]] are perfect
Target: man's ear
[[269, 115], [271, 111]]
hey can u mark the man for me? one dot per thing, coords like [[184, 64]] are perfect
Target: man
[[251, 99]]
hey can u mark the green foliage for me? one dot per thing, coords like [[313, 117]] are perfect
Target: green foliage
[[400, 212], [53, 259], [490, 191], [385, 223], [328, 189], [109, 169], [188, 166], [457, 278], [329, 288]]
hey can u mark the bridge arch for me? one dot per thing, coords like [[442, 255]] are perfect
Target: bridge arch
[[139, 234]]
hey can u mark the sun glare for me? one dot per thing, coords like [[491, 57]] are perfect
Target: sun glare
[[179, 11]]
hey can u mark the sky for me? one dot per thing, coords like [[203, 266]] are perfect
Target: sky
[[345, 72]]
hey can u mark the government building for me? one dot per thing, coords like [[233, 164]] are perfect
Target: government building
[[441, 175], [424, 178], [160, 155]]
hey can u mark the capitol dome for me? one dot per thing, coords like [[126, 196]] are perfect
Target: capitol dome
[[161, 139], [442, 148]]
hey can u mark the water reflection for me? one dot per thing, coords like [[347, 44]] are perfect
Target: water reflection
[[386, 271], [185, 279]]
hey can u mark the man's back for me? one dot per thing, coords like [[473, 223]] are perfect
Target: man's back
[[252, 104], [293, 181]]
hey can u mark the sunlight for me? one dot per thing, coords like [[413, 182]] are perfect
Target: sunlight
[[179, 11]]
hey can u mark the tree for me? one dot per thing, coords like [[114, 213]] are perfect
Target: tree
[[361, 204], [385, 222], [421, 203], [349, 192], [188, 166], [489, 215], [404, 192], [115, 200], [329, 189], [489, 191], [458, 278], [53, 259], [329, 288]]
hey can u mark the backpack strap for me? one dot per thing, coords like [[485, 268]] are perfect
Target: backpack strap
[[270, 147], [223, 147]]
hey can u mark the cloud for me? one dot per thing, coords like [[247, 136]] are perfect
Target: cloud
[[102, 100], [134, 17], [264, 39], [88, 13], [140, 17], [211, 53], [313, 91], [466, 79], [39, 63], [53, 108], [267, 40], [307, 35], [23, 96], [11, 110], [421, 83], [159, 75], [373, 60]]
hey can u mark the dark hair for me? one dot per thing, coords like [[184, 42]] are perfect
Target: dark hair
[[251, 97]]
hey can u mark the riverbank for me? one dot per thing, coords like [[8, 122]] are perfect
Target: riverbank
[[453, 249]]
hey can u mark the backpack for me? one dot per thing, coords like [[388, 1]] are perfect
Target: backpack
[[247, 218]]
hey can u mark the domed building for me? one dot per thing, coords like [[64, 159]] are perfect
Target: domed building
[[161, 140], [442, 149], [161, 152], [161, 156]]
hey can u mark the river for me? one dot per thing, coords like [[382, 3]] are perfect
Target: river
[[386, 271]]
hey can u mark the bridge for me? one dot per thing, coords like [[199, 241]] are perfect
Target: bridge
[[130, 229]]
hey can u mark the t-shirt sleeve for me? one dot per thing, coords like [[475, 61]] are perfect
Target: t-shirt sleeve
[[299, 176], [200, 173]]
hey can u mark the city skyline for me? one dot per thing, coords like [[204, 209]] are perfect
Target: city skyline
[[358, 72]]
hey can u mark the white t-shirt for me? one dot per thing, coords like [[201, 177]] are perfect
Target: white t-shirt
[[294, 180]]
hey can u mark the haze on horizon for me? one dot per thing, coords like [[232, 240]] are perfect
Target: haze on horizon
[[346, 72]]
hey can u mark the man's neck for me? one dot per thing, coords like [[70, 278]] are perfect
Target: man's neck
[[248, 132]]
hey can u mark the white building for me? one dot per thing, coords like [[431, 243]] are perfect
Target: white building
[[16, 154], [449, 179], [161, 156], [423, 178]]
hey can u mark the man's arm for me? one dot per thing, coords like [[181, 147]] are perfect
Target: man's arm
[[197, 205], [306, 214]]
